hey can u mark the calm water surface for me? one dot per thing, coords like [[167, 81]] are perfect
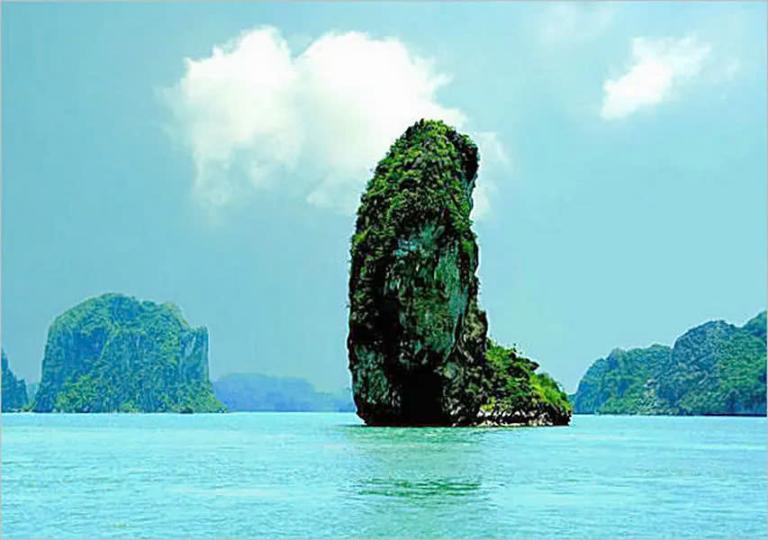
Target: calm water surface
[[324, 475]]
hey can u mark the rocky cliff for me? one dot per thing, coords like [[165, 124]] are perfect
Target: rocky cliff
[[417, 339], [714, 369], [116, 353], [14, 391]]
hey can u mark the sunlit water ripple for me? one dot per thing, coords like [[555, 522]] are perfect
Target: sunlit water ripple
[[324, 475]]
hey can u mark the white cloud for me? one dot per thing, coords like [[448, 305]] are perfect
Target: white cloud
[[494, 164], [658, 67], [256, 116]]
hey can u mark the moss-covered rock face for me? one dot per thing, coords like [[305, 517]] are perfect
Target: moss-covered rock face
[[417, 339], [14, 391], [713, 369], [416, 336], [517, 395], [117, 354]]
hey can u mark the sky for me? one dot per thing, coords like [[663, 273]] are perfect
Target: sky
[[212, 155]]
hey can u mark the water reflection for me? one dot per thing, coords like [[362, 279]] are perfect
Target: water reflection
[[419, 489], [403, 479]]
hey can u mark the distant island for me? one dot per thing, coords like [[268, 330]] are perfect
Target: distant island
[[418, 347], [257, 392], [14, 391], [714, 369], [115, 353]]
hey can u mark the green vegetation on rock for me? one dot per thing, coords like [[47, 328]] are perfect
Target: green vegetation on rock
[[519, 395], [14, 391], [117, 354], [713, 369], [417, 338]]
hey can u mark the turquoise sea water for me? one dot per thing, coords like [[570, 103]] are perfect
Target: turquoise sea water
[[324, 475]]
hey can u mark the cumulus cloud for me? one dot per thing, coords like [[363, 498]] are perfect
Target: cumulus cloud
[[254, 115], [658, 67]]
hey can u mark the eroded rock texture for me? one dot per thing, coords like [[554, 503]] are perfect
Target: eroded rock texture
[[417, 338], [418, 346]]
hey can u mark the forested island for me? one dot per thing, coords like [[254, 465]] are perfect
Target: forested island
[[14, 396], [714, 369], [257, 392], [418, 347], [115, 353]]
